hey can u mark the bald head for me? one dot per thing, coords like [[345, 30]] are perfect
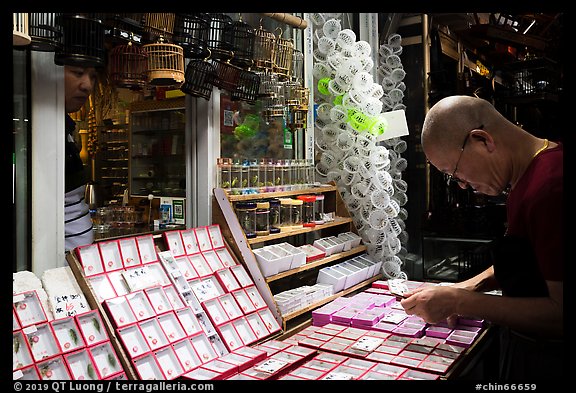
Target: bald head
[[451, 118]]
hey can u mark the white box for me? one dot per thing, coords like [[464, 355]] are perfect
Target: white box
[[331, 275], [267, 260], [285, 257], [298, 255], [357, 274], [347, 274], [364, 269]]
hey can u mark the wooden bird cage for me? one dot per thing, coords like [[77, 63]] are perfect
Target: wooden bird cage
[[45, 32], [128, 66], [264, 49], [125, 27], [83, 42], [157, 25], [283, 57], [241, 37], [199, 78], [191, 32], [247, 87], [165, 63], [219, 47], [20, 29]]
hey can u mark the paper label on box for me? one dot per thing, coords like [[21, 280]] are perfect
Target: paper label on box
[[270, 366], [338, 376], [69, 305]]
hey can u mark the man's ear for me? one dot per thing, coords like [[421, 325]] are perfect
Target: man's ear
[[479, 135]]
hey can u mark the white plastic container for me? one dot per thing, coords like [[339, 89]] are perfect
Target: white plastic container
[[333, 276]]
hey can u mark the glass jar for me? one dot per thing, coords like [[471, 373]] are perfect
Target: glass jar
[[224, 166], [319, 209], [236, 177], [274, 215], [308, 219], [246, 214], [297, 220], [262, 218], [285, 214]]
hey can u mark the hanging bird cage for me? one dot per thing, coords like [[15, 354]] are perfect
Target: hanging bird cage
[[290, 93], [220, 47], [264, 48], [165, 63], [241, 37], [191, 33], [125, 27], [283, 57], [128, 66], [247, 87], [199, 78], [158, 25], [272, 95], [20, 29], [227, 74], [83, 42], [45, 32]]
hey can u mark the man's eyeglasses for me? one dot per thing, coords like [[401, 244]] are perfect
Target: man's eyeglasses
[[453, 177]]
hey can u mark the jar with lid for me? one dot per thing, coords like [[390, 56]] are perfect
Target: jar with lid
[[319, 209], [285, 214], [246, 214], [262, 218], [308, 219], [297, 220], [274, 215], [236, 177], [224, 166]]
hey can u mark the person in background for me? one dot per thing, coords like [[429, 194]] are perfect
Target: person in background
[[470, 141], [78, 84]]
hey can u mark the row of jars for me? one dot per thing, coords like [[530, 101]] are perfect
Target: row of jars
[[243, 176], [267, 216]]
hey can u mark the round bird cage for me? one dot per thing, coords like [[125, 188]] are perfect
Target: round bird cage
[[83, 42], [241, 37], [158, 25], [247, 87], [218, 43], [125, 27], [165, 63], [283, 57], [199, 78], [264, 49], [227, 75], [128, 66], [191, 33], [297, 71], [45, 32], [20, 29]]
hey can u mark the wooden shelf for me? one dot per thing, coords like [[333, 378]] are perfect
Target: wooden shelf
[[319, 262], [298, 231]]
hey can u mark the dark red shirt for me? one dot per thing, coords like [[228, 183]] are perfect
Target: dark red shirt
[[535, 211]]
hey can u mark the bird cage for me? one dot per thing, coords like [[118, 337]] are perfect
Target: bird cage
[[283, 57], [165, 63], [264, 48], [199, 78], [247, 87], [191, 33], [128, 65], [125, 27], [83, 41], [220, 47], [241, 37], [158, 25], [272, 95], [20, 29], [227, 74], [45, 32], [290, 93]]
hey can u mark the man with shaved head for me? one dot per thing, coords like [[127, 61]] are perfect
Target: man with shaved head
[[475, 146]]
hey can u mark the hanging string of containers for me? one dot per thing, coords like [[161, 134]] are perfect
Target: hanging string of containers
[[20, 29], [191, 32], [83, 40], [128, 66], [158, 25], [45, 32], [165, 63]]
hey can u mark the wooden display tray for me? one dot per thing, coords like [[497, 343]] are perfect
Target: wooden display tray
[[92, 300]]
